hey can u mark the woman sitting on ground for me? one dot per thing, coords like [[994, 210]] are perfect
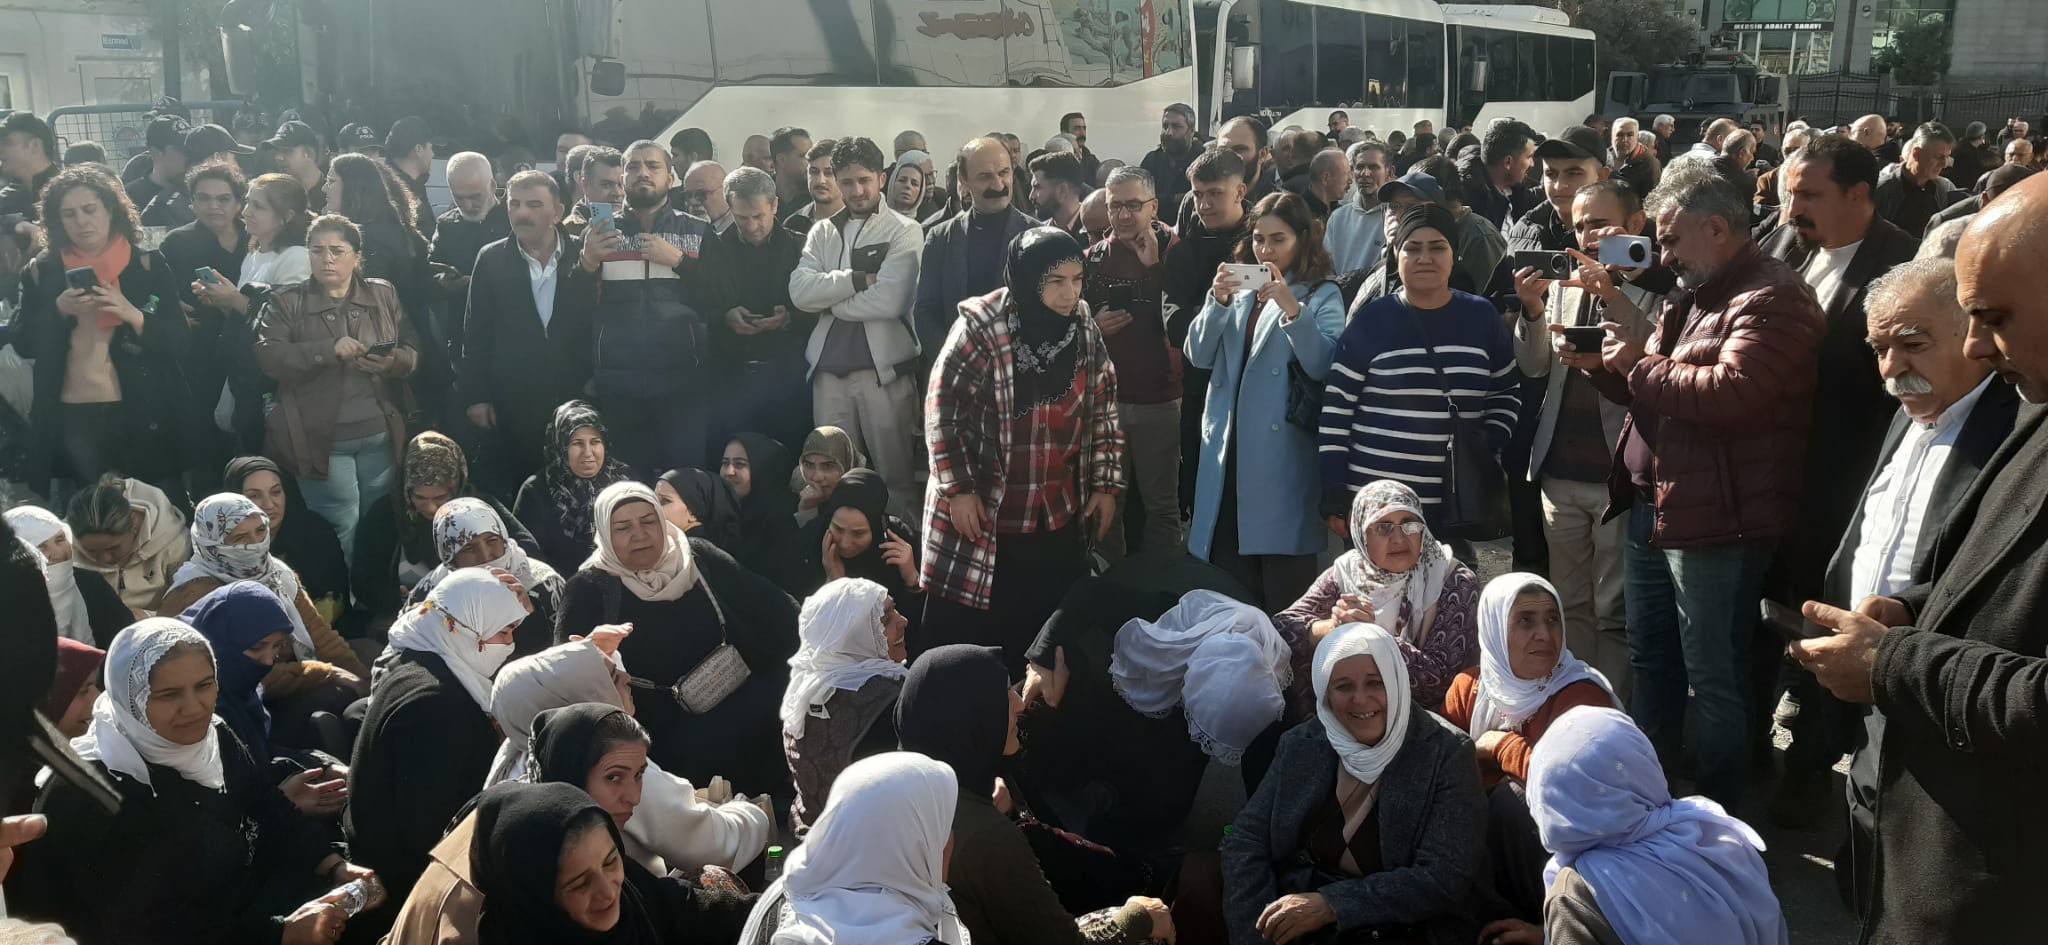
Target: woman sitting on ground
[[305, 542], [551, 867], [757, 468], [556, 501], [843, 684], [131, 534], [1370, 820], [827, 454], [702, 505], [88, 610], [396, 550], [1400, 578], [855, 536], [469, 533]]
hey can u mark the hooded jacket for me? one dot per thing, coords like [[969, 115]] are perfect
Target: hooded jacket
[[146, 575]]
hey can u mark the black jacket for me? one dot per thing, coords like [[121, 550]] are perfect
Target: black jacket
[[456, 243], [187, 249], [1170, 179], [508, 357], [1850, 410], [103, 607], [652, 324], [943, 277], [1964, 690], [1955, 211], [757, 278]]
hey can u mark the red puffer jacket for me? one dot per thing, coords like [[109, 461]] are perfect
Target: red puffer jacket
[[1730, 382]]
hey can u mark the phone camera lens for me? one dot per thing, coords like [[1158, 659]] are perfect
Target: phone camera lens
[[1637, 252]]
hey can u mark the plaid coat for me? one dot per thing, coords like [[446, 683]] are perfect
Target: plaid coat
[[967, 432]]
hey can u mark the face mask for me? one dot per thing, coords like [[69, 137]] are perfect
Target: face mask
[[243, 561], [59, 576]]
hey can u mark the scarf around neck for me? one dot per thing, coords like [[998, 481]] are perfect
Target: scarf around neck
[[462, 521], [844, 644], [573, 495], [471, 606], [212, 557], [1365, 762], [569, 674], [1047, 343], [36, 525], [672, 577], [1400, 599], [107, 265], [1505, 700]]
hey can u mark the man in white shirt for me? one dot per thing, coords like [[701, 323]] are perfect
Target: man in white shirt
[[1357, 231]]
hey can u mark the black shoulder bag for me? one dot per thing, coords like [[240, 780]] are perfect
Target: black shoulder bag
[[1475, 506]]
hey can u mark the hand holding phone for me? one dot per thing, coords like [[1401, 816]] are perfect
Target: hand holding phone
[[382, 349], [1549, 263], [1251, 277], [1586, 340]]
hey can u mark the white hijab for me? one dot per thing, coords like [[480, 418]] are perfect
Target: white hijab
[[463, 611], [1399, 599], [213, 557], [1220, 659], [460, 522], [673, 575], [550, 679], [120, 736], [872, 869], [1365, 762], [843, 645], [1506, 700], [34, 525]]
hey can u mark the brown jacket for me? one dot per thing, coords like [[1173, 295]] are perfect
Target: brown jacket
[[295, 338], [286, 680], [1728, 384], [445, 904]]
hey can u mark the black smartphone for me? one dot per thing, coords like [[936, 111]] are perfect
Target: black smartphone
[[383, 349], [1789, 623], [1586, 340], [81, 278], [1552, 263]]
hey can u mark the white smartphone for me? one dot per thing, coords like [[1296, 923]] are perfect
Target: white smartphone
[[1628, 252], [1251, 277]]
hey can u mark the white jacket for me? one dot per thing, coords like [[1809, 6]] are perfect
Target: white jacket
[[673, 829], [823, 283]]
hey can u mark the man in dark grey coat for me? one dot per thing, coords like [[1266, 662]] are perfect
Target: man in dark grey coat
[[963, 256]]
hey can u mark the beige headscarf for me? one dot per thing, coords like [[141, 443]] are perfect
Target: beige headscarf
[[672, 577]]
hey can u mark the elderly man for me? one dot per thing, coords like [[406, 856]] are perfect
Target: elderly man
[[1633, 164], [1956, 662], [1356, 234], [906, 142], [702, 192], [2019, 152], [1868, 131], [1913, 190], [1719, 401], [1126, 290], [1329, 175], [477, 220], [963, 255], [760, 340], [1769, 186], [1663, 126]]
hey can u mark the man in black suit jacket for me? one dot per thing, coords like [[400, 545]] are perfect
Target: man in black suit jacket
[[963, 256], [1958, 665], [518, 362]]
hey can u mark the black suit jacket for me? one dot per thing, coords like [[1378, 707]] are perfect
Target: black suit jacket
[[942, 274], [1955, 211], [1851, 410], [509, 358]]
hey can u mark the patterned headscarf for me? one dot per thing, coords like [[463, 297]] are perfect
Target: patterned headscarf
[[1399, 599], [1047, 343], [120, 735], [431, 459], [212, 557], [572, 494], [460, 522]]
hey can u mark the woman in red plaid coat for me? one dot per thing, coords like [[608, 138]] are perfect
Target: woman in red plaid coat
[[1026, 453]]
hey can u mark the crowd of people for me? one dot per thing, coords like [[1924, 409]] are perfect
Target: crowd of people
[[1104, 472]]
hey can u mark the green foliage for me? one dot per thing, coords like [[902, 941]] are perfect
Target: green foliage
[[1918, 53], [277, 49], [1633, 34]]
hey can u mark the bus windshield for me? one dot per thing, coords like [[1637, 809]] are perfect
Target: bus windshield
[[1716, 88]]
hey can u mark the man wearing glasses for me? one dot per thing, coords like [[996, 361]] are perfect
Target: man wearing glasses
[[1125, 285]]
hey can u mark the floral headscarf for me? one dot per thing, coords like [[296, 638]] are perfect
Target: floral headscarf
[[1399, 599], [212, 557], [573, 495], [460, 522]]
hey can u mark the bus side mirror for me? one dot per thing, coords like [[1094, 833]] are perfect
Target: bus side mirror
[[1244, 67], [608, 77]]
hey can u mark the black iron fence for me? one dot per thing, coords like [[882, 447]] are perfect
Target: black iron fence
[[120, 128], [1837, 98]]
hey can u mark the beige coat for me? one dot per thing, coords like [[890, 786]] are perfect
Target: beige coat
[[445, 904]]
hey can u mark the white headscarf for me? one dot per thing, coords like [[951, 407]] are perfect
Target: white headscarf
[[1365, 762], [1399, 599], [460, 521], [673, 575], [843, 646], [468, 608], [872, 869], [550, 679], [213, 557], [120, 736], [1219, 658], [1506, 700], [34, 525]]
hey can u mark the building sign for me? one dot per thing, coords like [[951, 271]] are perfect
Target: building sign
[[123, 41], [1806, 26]]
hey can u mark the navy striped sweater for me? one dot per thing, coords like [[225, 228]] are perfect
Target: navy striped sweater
[[1384, 412]]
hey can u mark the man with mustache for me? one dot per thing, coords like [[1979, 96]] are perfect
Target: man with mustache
[[963, 255], [1833, 237]]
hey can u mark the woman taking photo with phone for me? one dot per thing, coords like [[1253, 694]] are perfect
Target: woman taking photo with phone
[[275, 217], [340, 349], [1268, 348]]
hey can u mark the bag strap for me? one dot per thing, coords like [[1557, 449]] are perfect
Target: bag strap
[[1442, 382], [724, 637]]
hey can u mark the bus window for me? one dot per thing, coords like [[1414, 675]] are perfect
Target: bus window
[[795, 42], [1341, 53], [1557, 70], [1286, 55], [1386, 63], [957, 43], [1425, 65], [1583, 70], [668, 52]]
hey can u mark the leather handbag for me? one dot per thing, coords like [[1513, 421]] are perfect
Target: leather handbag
[[1475, 505]]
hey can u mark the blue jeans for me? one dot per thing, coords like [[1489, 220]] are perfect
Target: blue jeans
[[359, 473], [1690, 614]]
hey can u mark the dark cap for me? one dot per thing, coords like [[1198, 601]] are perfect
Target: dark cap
[[208, 140], [28, 124], [406, 134], [1419, 183], [294, 134], [167, 131], [2004, 176], [359, 138], [1577, 143]]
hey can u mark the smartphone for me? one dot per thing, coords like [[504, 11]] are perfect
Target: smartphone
[[1628, 252], [383, 349], [1551, 263], [1117, 298], [1251, 277], [205, 274], [1788, 623], [81, 278], [602, 216], [1586, 340]]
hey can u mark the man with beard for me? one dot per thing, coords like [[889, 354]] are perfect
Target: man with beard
[[659, 267], [1356, 233], [1247, 137], [1076, 124], [963, 256], [859, 272], [1719, 401], [1835, 240], [528, 332], [1057, 188], [1633, 163], [1215, 221], [822, 187], [477, 220], [789, 148], [1954, 663], [1168, 163], [762, 342]]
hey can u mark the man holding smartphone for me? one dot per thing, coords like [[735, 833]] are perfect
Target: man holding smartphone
[[761, 344]]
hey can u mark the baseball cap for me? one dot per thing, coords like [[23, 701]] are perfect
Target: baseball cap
[[406, 134], [294, 134], [27, 123], [360, 138], [167, 131], [1419, 183], [208, 140], [1577, 143]]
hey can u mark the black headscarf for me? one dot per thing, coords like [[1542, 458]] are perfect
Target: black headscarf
[[1048, 344], [955, 708], [710, 499], [303, 540], [1427, 216], [863, 491], [516, 857], [768, 463], [568, 741], [571, 494]]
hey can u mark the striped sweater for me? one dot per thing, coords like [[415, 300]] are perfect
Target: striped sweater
[[1384, 412]]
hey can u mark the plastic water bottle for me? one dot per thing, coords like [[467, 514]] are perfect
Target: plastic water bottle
[[774, 871], [360, 894]]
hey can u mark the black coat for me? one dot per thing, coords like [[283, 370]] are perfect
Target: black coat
[[187, 249], [944, 281], [103, 607], [1850, 410], [740, 738], [509, 359], [179, 864], [1955, 211], [456, 242], [757, 278]]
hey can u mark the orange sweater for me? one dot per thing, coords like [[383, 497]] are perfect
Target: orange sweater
[[1511, 758]]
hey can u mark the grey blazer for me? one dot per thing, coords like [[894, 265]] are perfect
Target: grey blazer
[[1432, 819]]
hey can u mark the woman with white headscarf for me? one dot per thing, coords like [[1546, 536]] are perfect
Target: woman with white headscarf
[[427, 740], [231, 542], [671, 827], [1398, 577], [873, 869], [88, 609], [1220, 661], [843, 680], [469, 533], [710, 645], [1371, 818], [204, 848]]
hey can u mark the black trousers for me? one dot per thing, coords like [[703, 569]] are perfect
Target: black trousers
[[1033, 572], [765, 397]]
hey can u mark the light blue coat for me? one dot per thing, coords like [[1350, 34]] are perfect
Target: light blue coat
[[1278, 486]]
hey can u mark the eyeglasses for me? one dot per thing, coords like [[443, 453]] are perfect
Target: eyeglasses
[[1387, 529], [329, 252], [1129, 206]]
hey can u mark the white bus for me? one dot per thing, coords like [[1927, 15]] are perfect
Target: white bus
[[1522, 62]]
